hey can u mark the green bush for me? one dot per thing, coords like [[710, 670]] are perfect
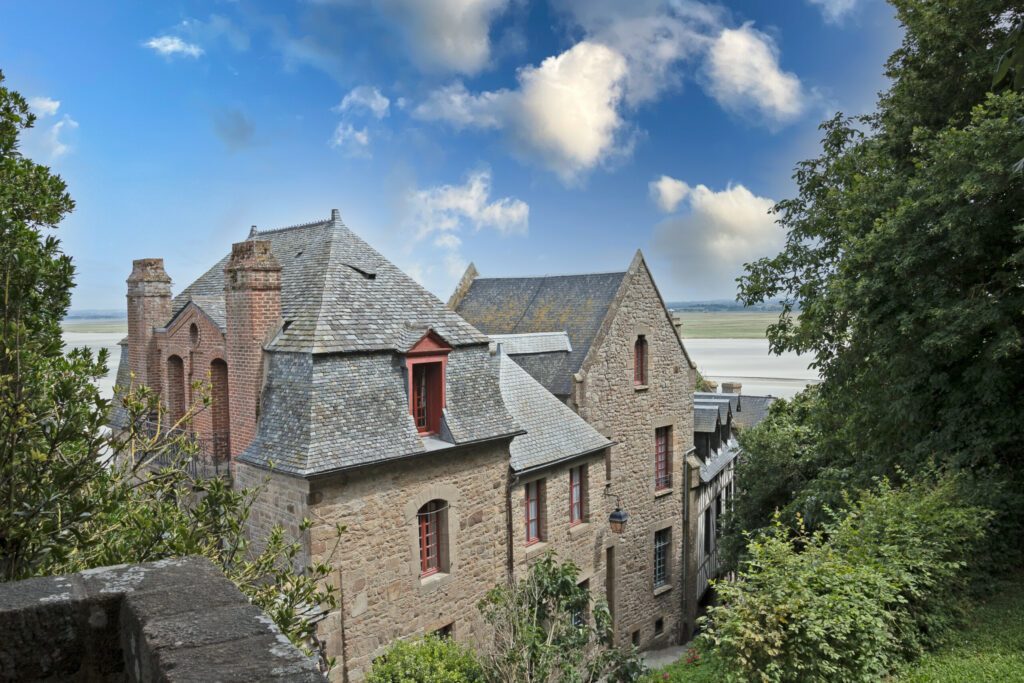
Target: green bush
[[854, 600], [428, 660]]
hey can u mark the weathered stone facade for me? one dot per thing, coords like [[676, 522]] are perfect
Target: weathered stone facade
[[604, 394], [377, 557]]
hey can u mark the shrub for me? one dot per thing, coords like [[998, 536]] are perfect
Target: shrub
[[428, 660], [854, 600]]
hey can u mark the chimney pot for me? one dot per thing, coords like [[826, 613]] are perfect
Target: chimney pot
[[731, 387]]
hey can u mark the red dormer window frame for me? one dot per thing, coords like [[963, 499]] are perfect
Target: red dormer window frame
[[427, 365]]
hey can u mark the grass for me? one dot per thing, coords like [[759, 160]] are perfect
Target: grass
[[725, 325], [990, 648]]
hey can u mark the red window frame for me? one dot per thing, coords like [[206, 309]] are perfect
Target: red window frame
[[533, 512], [662, 458], [427, 364], [640, 361], [429, 518], [577, 490]]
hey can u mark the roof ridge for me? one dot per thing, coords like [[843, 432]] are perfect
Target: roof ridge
[[254, 232], [541, 277]]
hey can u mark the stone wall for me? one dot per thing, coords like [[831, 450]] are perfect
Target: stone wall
[[384, 598], [604, 394], [171, 620], [583, 543], [282, 500]]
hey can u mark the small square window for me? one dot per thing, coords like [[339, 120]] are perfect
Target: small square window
[[659, 626], [635, 638]]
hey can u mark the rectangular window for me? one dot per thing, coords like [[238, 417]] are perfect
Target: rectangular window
[[534, 511], [640, 361], [430, 537], [662, 458], [662, 541], [577, 492], [426, 397]]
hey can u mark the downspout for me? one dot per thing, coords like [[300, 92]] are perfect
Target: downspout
[[686, 551], [510, 481]]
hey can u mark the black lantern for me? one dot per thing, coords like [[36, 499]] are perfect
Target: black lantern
[[618, 520]]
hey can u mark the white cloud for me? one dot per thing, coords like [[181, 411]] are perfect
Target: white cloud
[[565, 111], [708, 244], [447, 35], [353, 141], [744, 76], [169, 46], [447, 209], [367, 98], [668, 192], [834, 11], [54, 142], [43, 106]]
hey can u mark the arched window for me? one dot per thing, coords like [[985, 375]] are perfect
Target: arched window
[[640, 361], [175, 388], [221, 414], [432, 520]]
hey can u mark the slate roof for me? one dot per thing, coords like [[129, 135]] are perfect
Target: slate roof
[[322, 413], [338, 294], [705, 417], [574, 304], [733, 399], [533, 342], [718, 462], [753, 410], [720, 404], [554, 432]]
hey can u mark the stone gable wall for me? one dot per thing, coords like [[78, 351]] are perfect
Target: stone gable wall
[[377, 556], [607, 398], [282, 500]]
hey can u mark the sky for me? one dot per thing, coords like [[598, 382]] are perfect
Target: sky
[[530, 138]]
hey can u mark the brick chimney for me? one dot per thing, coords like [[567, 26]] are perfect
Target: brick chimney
[[149, 306], [731, 387], [252, 293]]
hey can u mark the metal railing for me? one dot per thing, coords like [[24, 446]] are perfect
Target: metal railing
[[203, 457]]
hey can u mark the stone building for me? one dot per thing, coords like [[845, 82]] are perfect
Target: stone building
[[606, 346], [432, 467]]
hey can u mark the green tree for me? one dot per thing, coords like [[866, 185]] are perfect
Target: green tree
[[74, 494], [547, 629], [904, 257]]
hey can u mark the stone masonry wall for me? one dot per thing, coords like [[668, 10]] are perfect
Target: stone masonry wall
[[582, 543], [608, 400], [282, 500], [377, 565]]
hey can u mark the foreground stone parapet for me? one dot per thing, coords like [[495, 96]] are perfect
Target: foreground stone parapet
[[172, 620]]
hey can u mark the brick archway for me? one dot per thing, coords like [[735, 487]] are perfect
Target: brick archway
[[220, 408]]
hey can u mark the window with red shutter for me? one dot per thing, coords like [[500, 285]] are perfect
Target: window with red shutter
[[640, 361], [534, 510], [577, 491], [662, 458], [431, 519]]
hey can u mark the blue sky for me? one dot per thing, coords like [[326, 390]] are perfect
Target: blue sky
[[526, 137]]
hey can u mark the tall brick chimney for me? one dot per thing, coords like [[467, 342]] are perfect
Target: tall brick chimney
[[149, 306], [252, 293]]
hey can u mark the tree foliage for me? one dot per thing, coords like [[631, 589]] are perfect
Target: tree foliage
[[546, 629], [854, 600], [75, 495], [428, 660], [905, 257]]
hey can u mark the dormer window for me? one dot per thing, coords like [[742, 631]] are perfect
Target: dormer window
[[426, 363], [640, 361]]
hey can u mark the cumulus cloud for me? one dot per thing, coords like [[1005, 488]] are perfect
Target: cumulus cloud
[[441, 216], [170, 46], [744, 76], [352, 141], [564, 111], [667, 192], [366, 98], [447, 35], [834, 11], [716, 234], [57, 146], [43, 106]]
